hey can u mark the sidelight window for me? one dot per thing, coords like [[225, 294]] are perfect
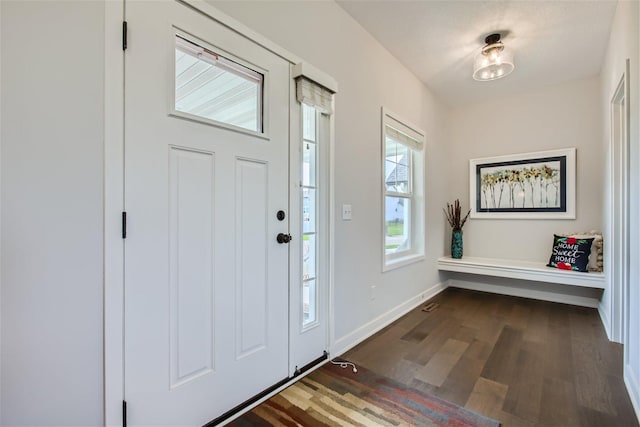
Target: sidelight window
[[310, 222]]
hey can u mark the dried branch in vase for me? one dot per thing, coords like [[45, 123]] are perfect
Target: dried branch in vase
[[454, 215]]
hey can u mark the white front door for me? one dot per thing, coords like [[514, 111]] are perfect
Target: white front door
[[206, 172]]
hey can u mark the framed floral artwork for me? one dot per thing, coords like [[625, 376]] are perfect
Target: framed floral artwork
[[539, 185]]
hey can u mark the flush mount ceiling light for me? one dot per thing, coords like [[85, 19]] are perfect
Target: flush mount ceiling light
[[494, 60]]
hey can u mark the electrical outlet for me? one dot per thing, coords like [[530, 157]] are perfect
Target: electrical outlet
[[346, 212], [372, 296]]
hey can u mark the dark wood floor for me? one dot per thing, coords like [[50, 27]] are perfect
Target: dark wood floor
[[522, 362]]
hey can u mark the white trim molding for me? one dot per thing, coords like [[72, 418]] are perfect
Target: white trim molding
[[605, 319], [113, 208], [617, 251]]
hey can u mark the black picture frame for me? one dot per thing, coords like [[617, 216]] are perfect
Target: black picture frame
[[532, 185]]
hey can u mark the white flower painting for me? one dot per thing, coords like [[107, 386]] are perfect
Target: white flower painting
[[532, 185]]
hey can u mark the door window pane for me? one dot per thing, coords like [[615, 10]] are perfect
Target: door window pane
[[308, 210], [308, 256], [309, 299], [309, 164], [216, 88], [309, 123]]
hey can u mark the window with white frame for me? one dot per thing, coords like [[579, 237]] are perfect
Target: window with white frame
[[403, 188], [217, 89]]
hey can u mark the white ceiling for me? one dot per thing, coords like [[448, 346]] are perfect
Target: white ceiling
[[553, 41]]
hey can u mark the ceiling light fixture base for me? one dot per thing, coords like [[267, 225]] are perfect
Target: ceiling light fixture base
[[494, 60]]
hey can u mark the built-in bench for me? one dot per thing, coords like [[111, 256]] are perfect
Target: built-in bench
[[523, 270]]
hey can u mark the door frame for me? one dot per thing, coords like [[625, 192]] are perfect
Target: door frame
[[113, 243], [113, 246], [619, 248]]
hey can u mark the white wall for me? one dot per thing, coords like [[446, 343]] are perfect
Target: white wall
[[368, 78], [567, 115], [624, 43], [51, 197]]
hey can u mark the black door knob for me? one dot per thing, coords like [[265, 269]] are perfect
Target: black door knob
[[283, 238]]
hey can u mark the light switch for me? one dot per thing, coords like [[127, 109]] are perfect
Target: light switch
[[346, 212]]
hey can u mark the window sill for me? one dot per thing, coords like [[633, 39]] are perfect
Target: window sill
[[392, 264]]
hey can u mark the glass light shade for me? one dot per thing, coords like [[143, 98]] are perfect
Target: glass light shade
[[492, 64]]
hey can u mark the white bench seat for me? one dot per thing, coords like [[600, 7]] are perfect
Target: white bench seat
[[523, 270]]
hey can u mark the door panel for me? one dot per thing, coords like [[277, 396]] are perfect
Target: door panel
[[206, 283], [191, 281], [252, 197]]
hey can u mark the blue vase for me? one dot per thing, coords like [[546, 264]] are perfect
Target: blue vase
[[456, 244]]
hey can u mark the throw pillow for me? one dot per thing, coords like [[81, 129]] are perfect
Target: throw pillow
[[596, 258], [570, 253]]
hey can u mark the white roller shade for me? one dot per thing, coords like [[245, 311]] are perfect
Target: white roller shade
[[402, 133]]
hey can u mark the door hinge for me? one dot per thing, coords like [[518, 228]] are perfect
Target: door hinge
[[124, 225], [124, 413], [124, 35]]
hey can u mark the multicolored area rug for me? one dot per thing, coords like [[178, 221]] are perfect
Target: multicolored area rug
[[332, 396]]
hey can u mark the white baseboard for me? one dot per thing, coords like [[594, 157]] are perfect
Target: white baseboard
[[604, 318], [525, 293], [632, 382], [354, 338]]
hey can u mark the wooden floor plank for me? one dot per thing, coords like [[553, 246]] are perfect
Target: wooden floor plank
[[403, 371], [420, 331], [421, 354], [559, 403], [537, 326], [487, 397], [592, 418], [461, 380], [519, 315], [592, 386], [585, 325], [437, 370], [525, 387], [557, 355], [502, 364]]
